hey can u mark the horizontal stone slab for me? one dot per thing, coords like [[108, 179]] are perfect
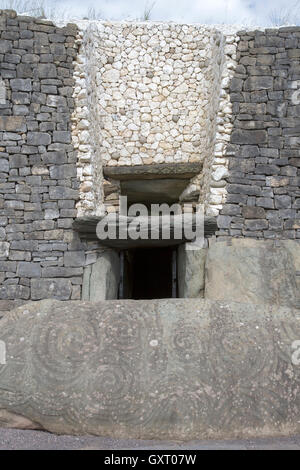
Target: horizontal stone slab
[[163, 170], [162, 369], [86, 226]]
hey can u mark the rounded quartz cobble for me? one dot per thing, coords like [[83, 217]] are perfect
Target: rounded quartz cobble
[[152, 93]]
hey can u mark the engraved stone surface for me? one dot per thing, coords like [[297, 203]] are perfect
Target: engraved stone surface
[[179, 369], [253, 271]]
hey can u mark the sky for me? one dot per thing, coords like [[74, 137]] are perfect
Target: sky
[[241, 12], [255, 12]]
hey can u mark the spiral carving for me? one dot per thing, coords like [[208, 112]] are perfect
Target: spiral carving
[[152, 369], [62, 348], [242, 352]]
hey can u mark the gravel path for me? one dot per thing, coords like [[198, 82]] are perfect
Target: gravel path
[[14, 439]]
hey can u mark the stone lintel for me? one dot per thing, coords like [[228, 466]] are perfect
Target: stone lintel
[[86, 226], [159, 171]]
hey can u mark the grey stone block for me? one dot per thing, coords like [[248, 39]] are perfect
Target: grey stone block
[[231, 209], [236, 84], [2, 233], [249, 151], [61, 192], [21, 84], [256, 224], [63, 172], [14, 292], [275, 223], [296, 204], [39, 98], [191, 272], [51, 214], [283, 202], [26, 245], [46, 71], [65, 223], [18, 161], [101, 279], [224, 221], [43, 225], [28, 269], [30, 58], [16, 205], [51, 289], [12, 124], [265, 202], [58, 157], [9, 266], [258, 96], [253, 212], [56, 101], [255, 83], [253, 108], [24, 71], [74, 259], [58, 271], [4, 165], [4, 250], [243, 189], [20, 97], [38, 138], [249, 137], [62, 137], [267, 170], [277, 181], [5, 46]]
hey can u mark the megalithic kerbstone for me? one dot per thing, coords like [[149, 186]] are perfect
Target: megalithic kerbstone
[[174, 368]]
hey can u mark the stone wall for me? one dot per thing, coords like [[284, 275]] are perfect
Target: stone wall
[[238, 106], [64, 114], [40, 255], [247, 100], [155, 90], [86, 129], [263, 185], [145, 93], [214, 185]]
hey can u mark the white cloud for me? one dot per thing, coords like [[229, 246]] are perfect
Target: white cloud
[[250, 12]]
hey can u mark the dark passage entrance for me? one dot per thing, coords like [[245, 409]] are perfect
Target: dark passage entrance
[[148, 273]]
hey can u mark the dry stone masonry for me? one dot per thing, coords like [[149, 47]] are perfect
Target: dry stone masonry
[[145, 94], [185, 113], [40, 255], [80, 100], [263, 187], [213, 191]]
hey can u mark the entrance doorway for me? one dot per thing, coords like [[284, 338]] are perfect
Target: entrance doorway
[[148, 273]]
